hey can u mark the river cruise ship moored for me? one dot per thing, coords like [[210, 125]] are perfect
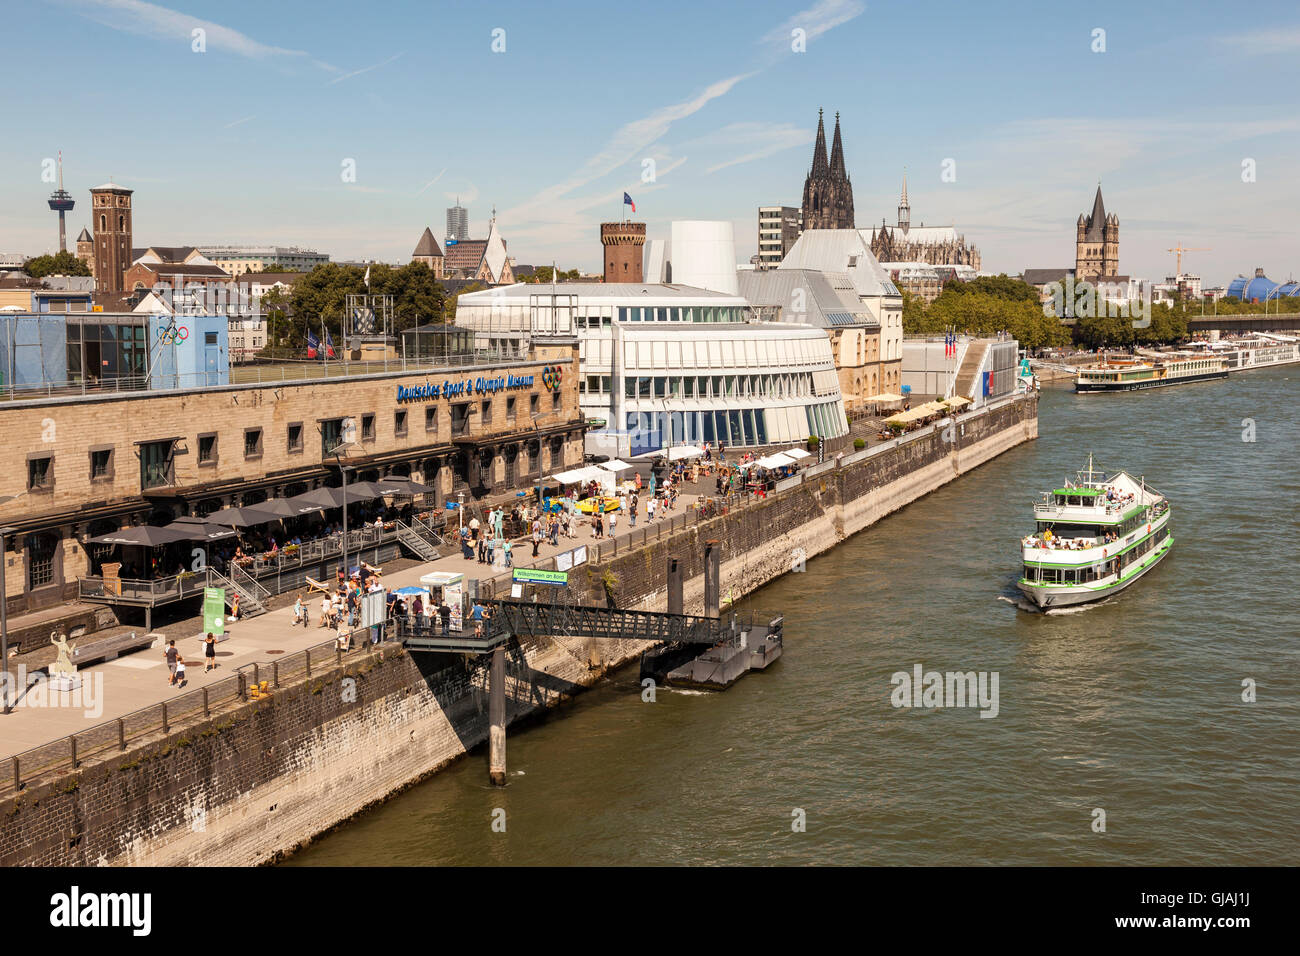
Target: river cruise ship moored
[[1095, 537], [1116, 375]]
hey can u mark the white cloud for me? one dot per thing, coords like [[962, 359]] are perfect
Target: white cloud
[[148, 19], [821, 17], [1266, 41], [365, 69], [768, 138]]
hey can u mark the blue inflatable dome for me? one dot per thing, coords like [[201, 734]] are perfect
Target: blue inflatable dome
[[1247, 288]]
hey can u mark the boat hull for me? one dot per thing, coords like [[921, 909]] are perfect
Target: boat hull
[[1054, 596]]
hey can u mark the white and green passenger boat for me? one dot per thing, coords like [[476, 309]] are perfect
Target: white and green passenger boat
[[1095, 537]]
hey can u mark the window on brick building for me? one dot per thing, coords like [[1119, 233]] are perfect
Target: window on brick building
[[555, 401], [368, 427], [510, 410], [252, 443], [533, 404], [208, 449], [431, 420], [157, 463], [40, 473], [101, 464], [399, 423], [295, 437], [41, 549]]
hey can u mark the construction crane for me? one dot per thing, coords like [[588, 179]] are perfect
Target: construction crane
[[1180, 250]]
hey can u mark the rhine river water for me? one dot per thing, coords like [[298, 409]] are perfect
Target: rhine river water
[[1133, 706]]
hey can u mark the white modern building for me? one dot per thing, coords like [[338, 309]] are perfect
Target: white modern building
[[240, 259], [665, 364]]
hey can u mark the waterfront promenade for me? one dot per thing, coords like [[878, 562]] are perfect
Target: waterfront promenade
[[140, 679]]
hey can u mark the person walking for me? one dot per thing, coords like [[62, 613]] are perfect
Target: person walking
[[209, 652], [633, 504], [180, 671], [172, 657], [444, 614], [537, 536]]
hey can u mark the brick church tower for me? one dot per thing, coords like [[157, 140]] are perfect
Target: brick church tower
[[110, 206], [1096, 244], [623, 242], [828, 191]]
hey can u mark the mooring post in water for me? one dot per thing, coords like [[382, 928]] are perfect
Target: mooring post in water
[[497, 719], [711, 585], [674, 586]]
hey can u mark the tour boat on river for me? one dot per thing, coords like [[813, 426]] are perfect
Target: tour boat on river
[[1116, 375], [1095, 537]]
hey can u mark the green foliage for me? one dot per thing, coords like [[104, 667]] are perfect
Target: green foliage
[[985, 310], [61, 263], [543, 274], [859, 443], [322, 294]]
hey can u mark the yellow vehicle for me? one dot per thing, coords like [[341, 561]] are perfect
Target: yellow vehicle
[[588, 506]]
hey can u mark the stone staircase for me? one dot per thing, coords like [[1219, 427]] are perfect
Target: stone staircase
[[969, 368]]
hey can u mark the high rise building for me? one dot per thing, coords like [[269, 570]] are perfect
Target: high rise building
[[1096, 245], [457, 222], [778, 230], [828, 191], [623, 242], [111, 217]]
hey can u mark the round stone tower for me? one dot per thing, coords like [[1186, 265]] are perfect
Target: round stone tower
[[623, 242]]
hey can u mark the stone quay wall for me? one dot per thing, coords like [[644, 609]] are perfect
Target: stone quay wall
[[254, 784]]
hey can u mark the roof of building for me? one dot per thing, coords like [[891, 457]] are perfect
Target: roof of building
[[427, 246], [633, 292], [184, 269], [829, 298], [840, 250], [1044, 276], [1096, 223], [111, 186], [85, 235], [271, 278], [922, 235], [167, 254]]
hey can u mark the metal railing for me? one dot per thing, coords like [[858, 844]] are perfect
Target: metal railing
[[225, 694]]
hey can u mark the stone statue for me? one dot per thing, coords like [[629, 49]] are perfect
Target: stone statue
[[63, 666]]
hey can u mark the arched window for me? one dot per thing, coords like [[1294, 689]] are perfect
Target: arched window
[[103, 223]]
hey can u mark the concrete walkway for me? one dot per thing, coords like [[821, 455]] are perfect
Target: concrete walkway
[[115, 688]]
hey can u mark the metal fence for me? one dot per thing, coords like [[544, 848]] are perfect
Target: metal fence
[[225, 694]]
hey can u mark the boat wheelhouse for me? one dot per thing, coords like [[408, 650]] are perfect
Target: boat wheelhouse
[[1117, 375], [1095, 536]]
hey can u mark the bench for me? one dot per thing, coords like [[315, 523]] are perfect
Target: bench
[[113, 647]]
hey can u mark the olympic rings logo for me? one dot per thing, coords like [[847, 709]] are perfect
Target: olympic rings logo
[[174, 335], [551, 377]]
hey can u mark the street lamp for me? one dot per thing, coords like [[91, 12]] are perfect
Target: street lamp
[[341, 451], [4, 617]]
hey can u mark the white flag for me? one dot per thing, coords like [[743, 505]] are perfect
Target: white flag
[[367, 278]]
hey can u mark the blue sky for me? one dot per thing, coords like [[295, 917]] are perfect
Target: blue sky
[[245, 142]]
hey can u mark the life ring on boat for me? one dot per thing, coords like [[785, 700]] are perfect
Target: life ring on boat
[[1148, 527]]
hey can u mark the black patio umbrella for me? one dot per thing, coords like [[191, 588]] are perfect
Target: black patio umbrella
[[244, 517], [401, 485], [333, 497], [145, 535], [280, 508], [199, 529]]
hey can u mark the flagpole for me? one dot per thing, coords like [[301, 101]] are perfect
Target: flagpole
[[324, 349]]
